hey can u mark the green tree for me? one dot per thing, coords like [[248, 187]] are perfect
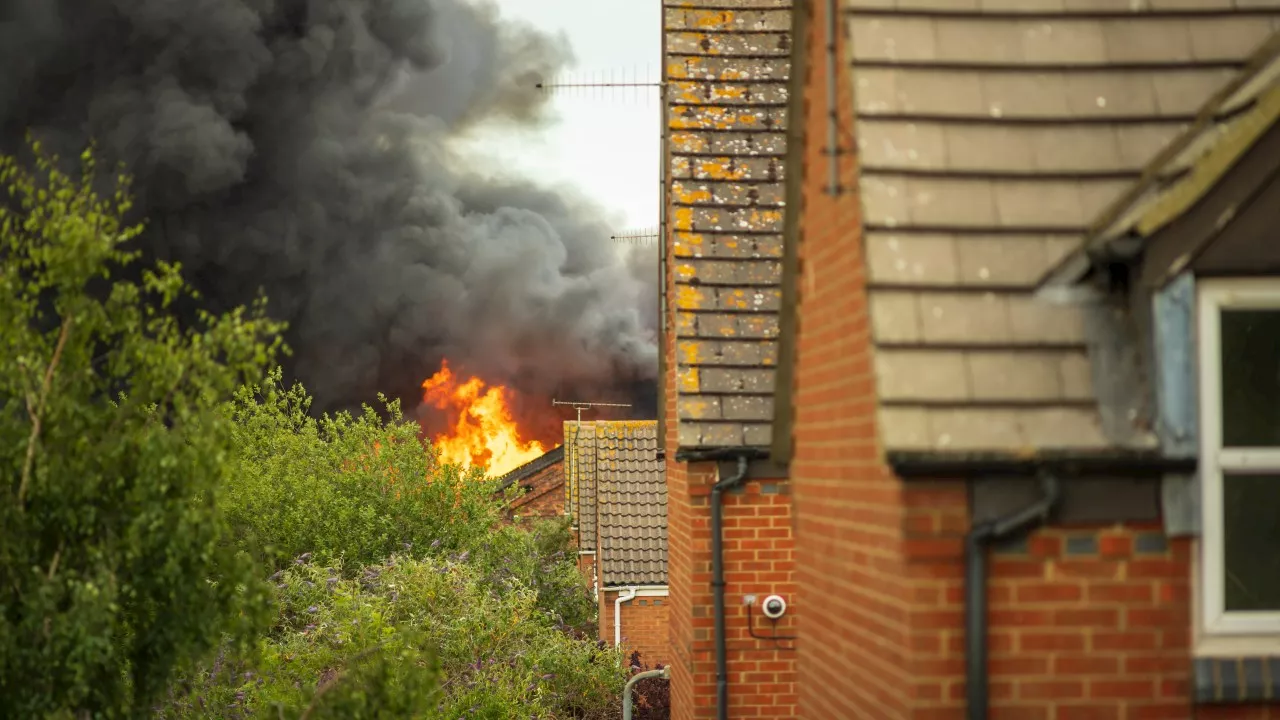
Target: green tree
[[115, 569]]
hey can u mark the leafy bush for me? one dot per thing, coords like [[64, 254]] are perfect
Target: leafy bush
[[497, 654], [114, 572], [356, 488]]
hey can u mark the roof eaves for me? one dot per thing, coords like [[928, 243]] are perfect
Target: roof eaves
[[541, 462], [1178, 175]]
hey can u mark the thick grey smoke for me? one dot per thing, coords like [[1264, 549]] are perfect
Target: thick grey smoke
[[302, 147]]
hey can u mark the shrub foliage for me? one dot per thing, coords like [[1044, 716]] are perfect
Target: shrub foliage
[[180, 537], [114, 565]]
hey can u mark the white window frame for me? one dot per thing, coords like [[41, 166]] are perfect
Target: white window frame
[[1215, 295]]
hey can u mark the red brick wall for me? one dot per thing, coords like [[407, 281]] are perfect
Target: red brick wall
[[1085, 622], [645, 626], [544, 500], [854, 639], [759, 560]]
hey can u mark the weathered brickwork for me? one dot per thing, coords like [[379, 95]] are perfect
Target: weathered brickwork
[[541, 496], [646, 623], [726, 68]]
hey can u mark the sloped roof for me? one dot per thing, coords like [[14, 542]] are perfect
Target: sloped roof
[[1226, 127], [533, 466], [726, 66], [632, 504], [989, 139]]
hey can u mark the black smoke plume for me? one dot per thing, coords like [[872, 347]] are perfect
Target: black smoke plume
[[305, 148]]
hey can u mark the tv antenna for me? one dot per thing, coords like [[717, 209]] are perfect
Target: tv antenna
[[606, 82], [580, 406], [637, 237]]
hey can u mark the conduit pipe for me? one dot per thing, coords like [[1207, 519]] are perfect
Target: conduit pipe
[[977, 697], [664, 673]]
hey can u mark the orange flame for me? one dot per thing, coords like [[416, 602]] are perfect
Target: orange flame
[[484, 433]]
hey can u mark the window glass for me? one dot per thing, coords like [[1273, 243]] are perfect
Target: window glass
[[1252, 564], [1251, 378]]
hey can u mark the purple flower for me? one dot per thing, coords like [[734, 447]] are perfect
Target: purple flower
[[313, 609], [531, 688], [464, 556], [276, 577], [549, 676], [435, 544]]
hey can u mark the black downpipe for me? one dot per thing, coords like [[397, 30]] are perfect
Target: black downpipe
[[977, 693], [717, 583]]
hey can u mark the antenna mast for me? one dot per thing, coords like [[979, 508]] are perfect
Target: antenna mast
[[580, 406]]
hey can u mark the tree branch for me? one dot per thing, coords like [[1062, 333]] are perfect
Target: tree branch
[[36, 411]]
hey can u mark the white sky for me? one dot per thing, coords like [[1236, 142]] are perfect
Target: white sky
[[604, 142]]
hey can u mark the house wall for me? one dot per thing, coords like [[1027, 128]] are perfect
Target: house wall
[[544, 500], [759, 560], [1085, 621], [645, 626], [855, 651]]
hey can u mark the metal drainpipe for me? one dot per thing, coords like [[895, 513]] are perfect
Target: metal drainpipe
[[717, 584], [833, 114], [664, 673], [975, 589]]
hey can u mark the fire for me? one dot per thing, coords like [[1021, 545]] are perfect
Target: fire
[[484, 432]]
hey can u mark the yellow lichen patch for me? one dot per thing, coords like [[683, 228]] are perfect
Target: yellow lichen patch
[[759, 218], [689, 298], [692, 196], [696, 409], [685, 271], [729, 330], [714, 117], [712, 19], [686, 322], [691, 353], [689, 380], [737, 300], [683, 218], [686, 238], [719, 170], [690, 142]]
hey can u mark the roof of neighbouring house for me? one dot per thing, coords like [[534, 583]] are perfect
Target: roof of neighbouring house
[[989, 140], [618, 489], [632, 504], [532, 467]]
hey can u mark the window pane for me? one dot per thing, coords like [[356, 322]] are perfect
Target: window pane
[[1251, 378], [1251, 505]]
